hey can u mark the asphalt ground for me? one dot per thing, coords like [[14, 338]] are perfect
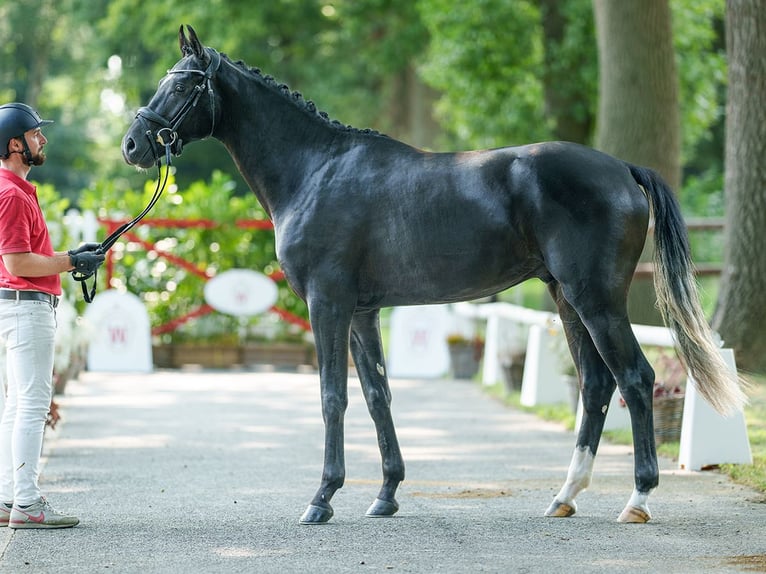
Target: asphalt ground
[[182, 472]]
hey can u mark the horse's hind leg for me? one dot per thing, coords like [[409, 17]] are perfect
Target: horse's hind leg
[[603, 313], [597, 386], [367, 351]]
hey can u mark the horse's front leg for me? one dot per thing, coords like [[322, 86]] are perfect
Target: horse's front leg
[[367, 351], [330, 323]]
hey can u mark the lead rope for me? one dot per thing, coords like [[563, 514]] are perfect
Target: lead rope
[[107, 243]]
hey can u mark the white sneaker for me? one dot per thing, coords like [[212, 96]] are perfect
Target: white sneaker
[[40, 514]]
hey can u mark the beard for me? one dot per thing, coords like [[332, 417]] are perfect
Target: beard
[[37, 159]]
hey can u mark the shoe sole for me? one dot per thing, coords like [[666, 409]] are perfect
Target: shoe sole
[[35, 525]]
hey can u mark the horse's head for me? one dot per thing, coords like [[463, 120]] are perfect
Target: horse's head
[[183, 109]]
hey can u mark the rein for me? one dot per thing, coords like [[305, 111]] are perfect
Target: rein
[[167, 138], [107, 243]]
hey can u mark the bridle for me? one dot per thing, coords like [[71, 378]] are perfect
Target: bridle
[[167, 135], [167, 138]]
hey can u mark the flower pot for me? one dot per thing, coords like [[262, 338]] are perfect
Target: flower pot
[[512, 369], [223, 356], [668, 416], [464, 360]]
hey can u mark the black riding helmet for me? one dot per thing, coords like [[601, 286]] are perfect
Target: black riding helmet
[[15, 120]]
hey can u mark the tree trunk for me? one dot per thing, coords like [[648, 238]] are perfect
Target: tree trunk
[[410, 110], [638, 117], [566, 93], [741, 310]]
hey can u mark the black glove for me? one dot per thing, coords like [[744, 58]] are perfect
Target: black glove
[[85, 263], [85, 247]]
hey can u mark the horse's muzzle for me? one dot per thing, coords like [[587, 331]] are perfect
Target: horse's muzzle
[[136, 151]]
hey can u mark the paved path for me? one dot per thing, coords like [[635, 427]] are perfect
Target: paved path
[[186, 472]]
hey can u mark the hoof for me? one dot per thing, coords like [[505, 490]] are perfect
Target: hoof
[[316, 514], [381, 508], [634, 515], [560, 509]]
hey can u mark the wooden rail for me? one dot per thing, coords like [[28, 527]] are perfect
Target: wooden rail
[[646, 269]]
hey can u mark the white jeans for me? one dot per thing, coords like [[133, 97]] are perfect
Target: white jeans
[[27, 328]]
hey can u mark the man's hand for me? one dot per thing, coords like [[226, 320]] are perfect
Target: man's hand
[[85, 263], [84, 248]]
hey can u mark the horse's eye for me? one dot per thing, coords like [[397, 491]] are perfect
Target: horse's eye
[[180, 88]]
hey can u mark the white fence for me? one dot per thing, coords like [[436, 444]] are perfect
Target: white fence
[[707, 438]]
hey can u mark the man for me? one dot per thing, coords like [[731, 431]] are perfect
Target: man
[[29, 290]]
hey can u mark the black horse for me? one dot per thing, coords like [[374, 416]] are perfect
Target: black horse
[[363, 221]]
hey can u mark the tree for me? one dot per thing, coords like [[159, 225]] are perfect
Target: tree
[[638, 114], [484, 58], [570, 74], [741, 307], [638, 118], [45, 61]]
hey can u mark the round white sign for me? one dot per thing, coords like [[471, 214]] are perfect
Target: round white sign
[[241, 292]]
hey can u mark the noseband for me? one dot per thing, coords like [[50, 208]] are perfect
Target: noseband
[[167, 135]]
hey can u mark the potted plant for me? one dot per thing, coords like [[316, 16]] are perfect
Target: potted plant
[[668, 398], [512, 353], [512, 365], [668, 401], [465, 354]]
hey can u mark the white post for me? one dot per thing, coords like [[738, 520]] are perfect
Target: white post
[[708, 438], [542, 382], [491, 365]]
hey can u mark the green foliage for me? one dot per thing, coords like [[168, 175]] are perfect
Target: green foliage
[[482, 57], [488, 59], [168, 289], [572, 62], [701, 57], [387, 35]]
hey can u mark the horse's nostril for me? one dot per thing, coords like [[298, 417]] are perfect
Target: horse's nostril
[[130, 145]]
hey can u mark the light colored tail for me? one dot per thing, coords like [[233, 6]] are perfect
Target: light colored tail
[[678, 300]]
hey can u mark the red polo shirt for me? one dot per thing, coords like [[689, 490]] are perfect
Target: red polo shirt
[[23, 229]]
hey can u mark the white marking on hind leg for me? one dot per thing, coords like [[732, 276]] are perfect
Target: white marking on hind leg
[[578, 477], [640, 500], [636, 511]]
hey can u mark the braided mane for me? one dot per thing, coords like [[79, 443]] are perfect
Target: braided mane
[[296, 98]]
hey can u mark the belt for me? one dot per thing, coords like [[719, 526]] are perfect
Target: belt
[[29, 296]]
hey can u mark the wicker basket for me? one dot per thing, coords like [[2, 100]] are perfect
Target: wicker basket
[[668, 414]]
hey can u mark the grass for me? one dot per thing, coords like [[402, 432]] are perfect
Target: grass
[[560, 413], [755, 415], [752, 475]]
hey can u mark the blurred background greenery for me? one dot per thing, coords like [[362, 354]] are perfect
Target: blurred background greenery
[[437, 74]]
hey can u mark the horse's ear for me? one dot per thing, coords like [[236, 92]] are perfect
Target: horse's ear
[[192, 45], [183, 43], [196, 46]]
